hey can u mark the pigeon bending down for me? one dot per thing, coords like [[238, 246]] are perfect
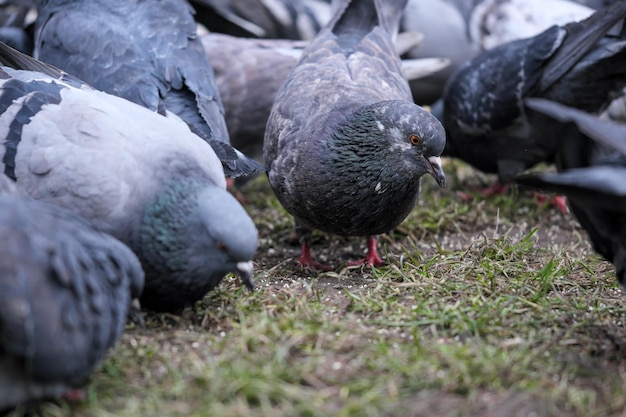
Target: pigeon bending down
[[115, 164], [581, 64], [592, 165], [65, 292], [145, 51], [345, 146]]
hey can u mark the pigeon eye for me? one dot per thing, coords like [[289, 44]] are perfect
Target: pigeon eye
[[414, 139], [222, 247]]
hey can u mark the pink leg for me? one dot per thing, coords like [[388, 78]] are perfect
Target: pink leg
[[558, 201], [495, 189], [306, 260], [371, 258], [230, 186], [74, 395]]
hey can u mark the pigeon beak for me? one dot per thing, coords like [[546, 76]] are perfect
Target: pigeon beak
[[245, 274], [436, 170]]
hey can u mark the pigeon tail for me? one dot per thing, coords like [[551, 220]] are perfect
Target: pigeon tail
[[580, 39], [359, 17], [242, 166]]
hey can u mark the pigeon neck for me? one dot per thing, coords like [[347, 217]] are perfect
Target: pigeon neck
[[159, 242]]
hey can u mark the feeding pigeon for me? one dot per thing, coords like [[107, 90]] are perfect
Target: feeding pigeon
[[115, 164], [145, 51], [592, 161], [581, 64], [461, 29], [249, 72], [65, 292], [345, 146]]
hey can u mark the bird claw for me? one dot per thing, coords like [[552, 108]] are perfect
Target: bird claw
[[558, 201], [368, 261], [306, 260], [74, 395], [372, 258], [309, 263]]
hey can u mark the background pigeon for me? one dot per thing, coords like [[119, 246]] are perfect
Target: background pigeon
[[461, 29], [592, 161], [146, 52], [345, 146], [580, 64], [65, 292], [115, 163]]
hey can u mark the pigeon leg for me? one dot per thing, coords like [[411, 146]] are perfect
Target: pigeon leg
[[494, 189], [74, 395], [558, 201], [231, 186], [306, 260], [372, 258]]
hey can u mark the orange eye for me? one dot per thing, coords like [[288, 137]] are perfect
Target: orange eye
[[222, 247], [414, 139]]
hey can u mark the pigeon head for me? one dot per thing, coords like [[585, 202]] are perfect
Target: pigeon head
[[191, 236], [229, 237], [396, 132]]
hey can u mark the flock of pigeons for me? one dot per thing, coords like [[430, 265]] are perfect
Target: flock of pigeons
[[122, 124]]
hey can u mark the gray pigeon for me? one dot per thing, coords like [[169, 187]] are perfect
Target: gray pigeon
[[145, 51], [461, 29], [65, 292], [580, 64], [115, 164], [345, 146], [592, 165]]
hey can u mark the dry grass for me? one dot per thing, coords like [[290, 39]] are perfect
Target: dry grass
[[486, 308]]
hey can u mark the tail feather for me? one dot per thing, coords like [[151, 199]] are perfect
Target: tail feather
[[581, 38], [353, 19]]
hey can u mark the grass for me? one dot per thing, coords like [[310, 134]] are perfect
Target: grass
[[486, 308]]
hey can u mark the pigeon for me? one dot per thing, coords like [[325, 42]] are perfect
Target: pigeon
[[592, 167], [581, 64], [145, 51], [276, 19], [249, 72], [461, 29], [65, 293], [113, 163], [345, 146]]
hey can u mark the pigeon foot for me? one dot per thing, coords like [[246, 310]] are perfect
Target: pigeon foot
[[74, 395], [494, 189], [372, 258], [558, 201], [306, 260]]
